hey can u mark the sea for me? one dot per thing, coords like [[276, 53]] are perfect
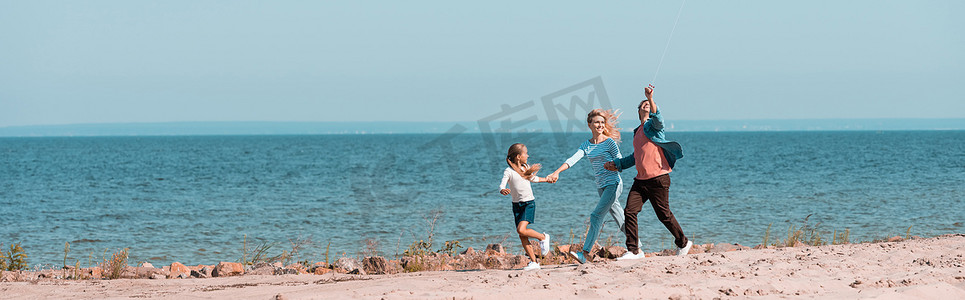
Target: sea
[[206, 199]]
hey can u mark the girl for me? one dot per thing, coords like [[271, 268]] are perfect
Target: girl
[[518, 175], [600, 148]]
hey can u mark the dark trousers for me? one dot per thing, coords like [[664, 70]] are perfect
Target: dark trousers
[[657, 190]]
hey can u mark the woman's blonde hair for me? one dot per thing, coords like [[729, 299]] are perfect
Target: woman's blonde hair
[[611, 117], [525, 170]]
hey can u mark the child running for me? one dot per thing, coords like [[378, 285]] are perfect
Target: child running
[[602, 147], [518, 175]]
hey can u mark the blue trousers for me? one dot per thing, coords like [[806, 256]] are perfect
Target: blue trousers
[[608, 203]]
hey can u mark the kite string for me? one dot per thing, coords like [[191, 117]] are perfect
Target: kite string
[[665, 48]]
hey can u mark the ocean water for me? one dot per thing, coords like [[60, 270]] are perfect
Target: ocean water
[[195, 199]]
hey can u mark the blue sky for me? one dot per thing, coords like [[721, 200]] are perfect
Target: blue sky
[[75, 62]]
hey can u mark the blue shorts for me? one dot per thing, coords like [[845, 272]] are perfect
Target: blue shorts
[[524, 211]]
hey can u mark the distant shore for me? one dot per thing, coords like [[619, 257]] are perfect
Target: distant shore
[[463, 127], [925, 268]]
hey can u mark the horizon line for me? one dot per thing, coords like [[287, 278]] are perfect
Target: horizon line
[[445, 127], [463, 121]]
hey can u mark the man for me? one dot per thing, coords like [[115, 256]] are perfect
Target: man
[[654, 157]]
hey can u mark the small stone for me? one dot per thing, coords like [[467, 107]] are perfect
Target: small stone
[[357, 272], [516, 262], [895, 239], [393, 267], [177, 269], [468, 251], [320, 264], [286, 271], [348, 264], [855, 284], [298, 267], [374, 265], [147, 265], [207, 270], [612, 252], [224, 269], [127, 272], [199, 274], [322, 271], [495, 249], [262, 265], [492, 263], [262, 269]]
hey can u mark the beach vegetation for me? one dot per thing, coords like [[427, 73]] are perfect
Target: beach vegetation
[[398, 245], [66, 251], [807, 234], [418, 248], [115, 266], [259, 253], [842, 238], [450, 248], [76, 272], [297, 245], [423, 247], [414, 264], [370, 247], [610, 241], [327, 248], [3, 260], [14, 259], [767, 235]]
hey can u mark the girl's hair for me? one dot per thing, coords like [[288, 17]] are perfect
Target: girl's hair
[[525, 170], [610, 116]]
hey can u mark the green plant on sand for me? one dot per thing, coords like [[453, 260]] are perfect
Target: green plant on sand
[[807, 235], [258, 253], [450, 247], [13, 260]]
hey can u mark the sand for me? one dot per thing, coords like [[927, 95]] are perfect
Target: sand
[[932, 268]]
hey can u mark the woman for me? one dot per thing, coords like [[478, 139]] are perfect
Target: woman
[[602, 147]]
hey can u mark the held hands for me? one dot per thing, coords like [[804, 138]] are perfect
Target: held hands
[[504, 192], [552, 178], [648, 91], [610, 166]]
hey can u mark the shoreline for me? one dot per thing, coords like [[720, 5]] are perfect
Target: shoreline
[[915, 268]]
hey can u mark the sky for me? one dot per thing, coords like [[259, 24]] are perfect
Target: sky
[[83, 62]]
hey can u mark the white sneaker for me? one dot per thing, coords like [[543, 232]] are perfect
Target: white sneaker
[[686, 249], [630, 256], [531, 266], [544, 245]]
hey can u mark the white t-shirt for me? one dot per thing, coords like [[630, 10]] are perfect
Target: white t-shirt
[[519, 187]]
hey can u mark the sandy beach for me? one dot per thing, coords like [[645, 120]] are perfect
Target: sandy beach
[[931, 268]]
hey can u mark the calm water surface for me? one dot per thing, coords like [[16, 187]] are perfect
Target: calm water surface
[[194, 198]]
